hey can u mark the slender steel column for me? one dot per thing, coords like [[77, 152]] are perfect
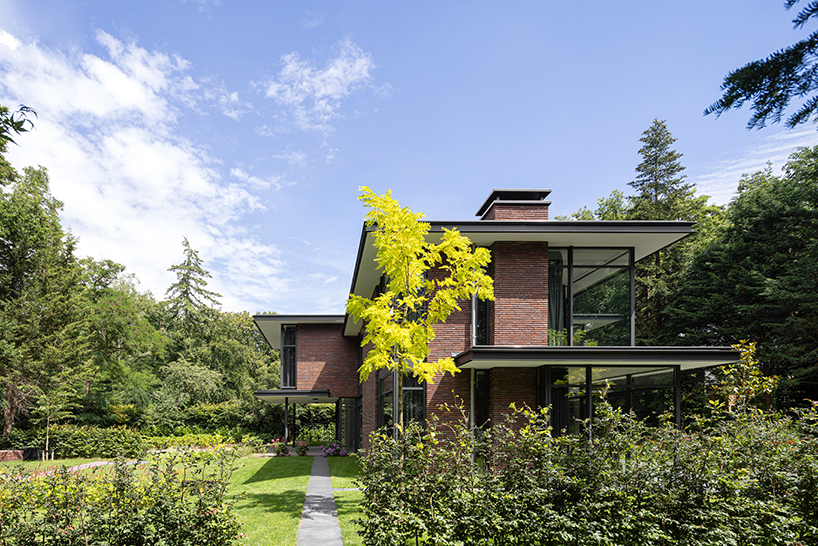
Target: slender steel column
[[286, 419], [569, 327], [677, 396], [632, 268]]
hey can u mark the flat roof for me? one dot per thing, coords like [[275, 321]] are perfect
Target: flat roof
[[270, 325], [645, 236], [517, 356]]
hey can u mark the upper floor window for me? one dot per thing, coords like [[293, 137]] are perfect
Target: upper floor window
[[590, 296], [288, 345]]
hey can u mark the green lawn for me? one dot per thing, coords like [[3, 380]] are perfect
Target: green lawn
[[344, 470], [348, 504], [273, 498], [42, 466]]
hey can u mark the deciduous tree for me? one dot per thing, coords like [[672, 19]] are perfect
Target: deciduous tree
[[400, 320]]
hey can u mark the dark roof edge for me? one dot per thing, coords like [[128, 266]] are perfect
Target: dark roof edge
[[295, 319], [358, 259], [286, 392], [527, 194], [564, 226], [518, 352]]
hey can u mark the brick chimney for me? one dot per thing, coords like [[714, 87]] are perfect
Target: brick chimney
[[515, 204]]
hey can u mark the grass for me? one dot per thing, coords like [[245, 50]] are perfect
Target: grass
[[348, 504], [273, 491], [343, 470], [42, 466]]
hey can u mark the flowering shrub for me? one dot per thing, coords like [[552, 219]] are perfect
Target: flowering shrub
[[177, 500], [301, 448], [333, 450], [279, 447]]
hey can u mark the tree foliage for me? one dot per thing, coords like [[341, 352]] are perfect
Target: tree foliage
[[758, 279], [424, 283], [188, 299], [17, 123], [43, 326], [770, 84]]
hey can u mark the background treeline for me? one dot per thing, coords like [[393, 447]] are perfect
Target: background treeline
[[750, 272], [81, 344]]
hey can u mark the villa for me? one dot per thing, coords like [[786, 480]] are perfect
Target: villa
[[561, 329]]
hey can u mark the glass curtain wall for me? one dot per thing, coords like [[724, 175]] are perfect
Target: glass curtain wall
[[590, 299], [572, 392]]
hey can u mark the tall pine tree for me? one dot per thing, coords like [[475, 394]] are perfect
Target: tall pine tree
[[662, 194], [188, 300]]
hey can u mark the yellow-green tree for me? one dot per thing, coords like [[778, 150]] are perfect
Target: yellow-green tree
[[400, 320]]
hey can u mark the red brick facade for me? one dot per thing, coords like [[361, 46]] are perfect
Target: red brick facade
[[507, 385], [511, 211], [326, 360], [519, 313]]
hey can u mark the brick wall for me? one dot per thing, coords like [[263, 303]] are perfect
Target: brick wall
[[325, 359], [369, 400], [507, 385], [510, 211], [519, 314]]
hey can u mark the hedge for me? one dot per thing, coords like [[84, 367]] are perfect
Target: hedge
[[739, 480]]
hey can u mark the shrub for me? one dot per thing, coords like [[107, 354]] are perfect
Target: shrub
[[333, 450], [81, 441], [279, 447], [302, 448], [178, 501], [741, 479]]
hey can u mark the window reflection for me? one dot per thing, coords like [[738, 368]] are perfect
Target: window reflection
[[598, 305]]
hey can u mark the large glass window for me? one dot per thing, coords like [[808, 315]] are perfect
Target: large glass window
[[414, 401], [589, 297], [288, 346], [648, 392], [572, 392]]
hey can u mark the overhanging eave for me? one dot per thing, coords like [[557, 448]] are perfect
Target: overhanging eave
[[687, 358]]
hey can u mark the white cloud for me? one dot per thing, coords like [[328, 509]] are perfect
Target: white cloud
[[312, 20], [722, 178], [132, 187], [254, 182], [311, 97], [294, 159]]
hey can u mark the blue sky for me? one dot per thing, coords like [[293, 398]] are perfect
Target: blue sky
[[248, 127]]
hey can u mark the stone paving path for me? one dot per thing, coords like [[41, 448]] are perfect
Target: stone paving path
[[319, 520]]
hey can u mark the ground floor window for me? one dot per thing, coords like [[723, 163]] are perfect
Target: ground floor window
[[572, 391], [414, 401]]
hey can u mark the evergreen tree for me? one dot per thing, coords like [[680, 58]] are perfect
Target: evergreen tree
[[769, 84], [42, 326], [189, 301], [758, 279], [661, 194]]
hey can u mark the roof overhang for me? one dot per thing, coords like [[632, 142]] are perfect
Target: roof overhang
[[687, 358], [270, 325], [293, 396], [646, 238]]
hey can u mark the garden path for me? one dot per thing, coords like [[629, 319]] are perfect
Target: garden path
[[319, 520]]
